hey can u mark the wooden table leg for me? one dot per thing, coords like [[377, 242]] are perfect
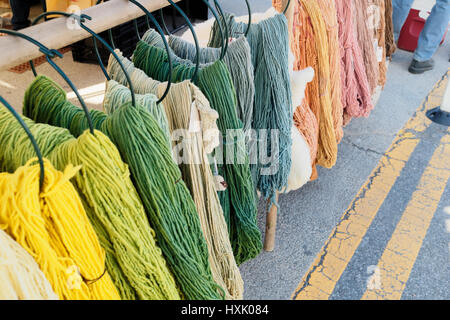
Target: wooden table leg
[[271, 226]]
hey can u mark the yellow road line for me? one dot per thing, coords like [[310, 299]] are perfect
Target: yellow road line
[[319, 282], [402, 249]]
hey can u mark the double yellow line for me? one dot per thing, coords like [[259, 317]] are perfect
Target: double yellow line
[[401, 252]]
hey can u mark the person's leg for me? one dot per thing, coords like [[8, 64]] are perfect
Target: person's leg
[[400, 11], [434, 30], [21, 11]]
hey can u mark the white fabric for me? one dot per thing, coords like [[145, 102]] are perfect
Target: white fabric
[[301, 168]]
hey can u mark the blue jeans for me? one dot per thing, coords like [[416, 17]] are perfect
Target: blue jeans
[[434, 29]]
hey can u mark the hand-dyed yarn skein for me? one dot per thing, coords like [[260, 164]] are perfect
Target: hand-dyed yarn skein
[[196, 137], [214, 80], [169, 206]]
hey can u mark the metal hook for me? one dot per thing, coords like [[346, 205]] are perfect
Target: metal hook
[[136, 27], [110, 34], [225, 34], [81, 19], [287, 6], [33, 140], [166, 45], [249, 17], [197, 47], [166, 30], [44, 15], [135, 24], [49, 54], [65, 14]]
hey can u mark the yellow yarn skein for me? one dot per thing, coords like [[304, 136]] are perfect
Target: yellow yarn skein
[[53, 227], [133, 259]]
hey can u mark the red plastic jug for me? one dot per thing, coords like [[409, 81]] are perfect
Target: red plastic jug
[[409, 35]]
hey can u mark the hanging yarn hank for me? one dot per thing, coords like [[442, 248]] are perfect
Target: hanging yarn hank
[[366, 40], [142, 83], [269, 43], [111, 201], [301, 167], [100, 163], [195, 169], [145, 86], [356, 96], [189, 261], [183, 97], [303, 42], [169, 206], [116, 95], [20, 276], [313, 50], [52, 226], [303, 115], [239, 63], [214, 80], [304, 118], [391, 46], [329, 15]]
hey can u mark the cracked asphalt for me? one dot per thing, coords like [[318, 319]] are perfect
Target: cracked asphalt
[[308, 216]]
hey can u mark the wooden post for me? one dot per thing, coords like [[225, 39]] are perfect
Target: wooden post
[[271, 226]]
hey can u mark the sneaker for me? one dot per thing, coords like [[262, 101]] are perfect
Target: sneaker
[[418, 67]]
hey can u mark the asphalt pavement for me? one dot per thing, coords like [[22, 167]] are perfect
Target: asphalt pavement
[[308, 216]]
